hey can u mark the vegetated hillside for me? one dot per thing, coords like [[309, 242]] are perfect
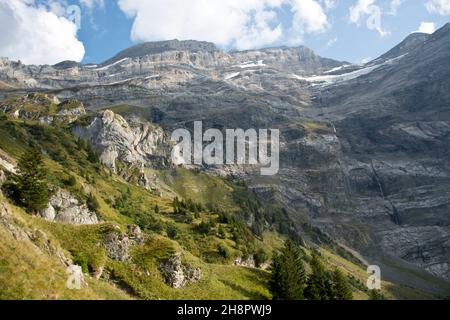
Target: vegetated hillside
[[184, 238]]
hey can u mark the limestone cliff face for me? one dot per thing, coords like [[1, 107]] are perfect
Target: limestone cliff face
[[169, 63], [136, 143]]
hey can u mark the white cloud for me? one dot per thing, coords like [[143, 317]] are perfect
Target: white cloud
[[308, 16], [367, 8], [242, 24], [394, 5], [329, 4], [441, 7], [90, 4], [58, 7], [427, 27], [332, 42], [36, 35]]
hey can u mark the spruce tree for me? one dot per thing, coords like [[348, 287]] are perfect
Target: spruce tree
[[288, 274], [318, 284], [340, 288], [31, 182], [376, 295]]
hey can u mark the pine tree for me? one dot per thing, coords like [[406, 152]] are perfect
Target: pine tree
[[288, 274], [318, 284], [340, 288], [31, 182], [376, 295]]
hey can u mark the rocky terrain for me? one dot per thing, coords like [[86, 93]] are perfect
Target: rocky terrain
[[365, 148]]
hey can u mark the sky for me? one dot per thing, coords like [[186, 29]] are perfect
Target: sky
[[91, 31]]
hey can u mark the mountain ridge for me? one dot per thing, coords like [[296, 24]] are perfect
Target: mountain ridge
[[364, 156]]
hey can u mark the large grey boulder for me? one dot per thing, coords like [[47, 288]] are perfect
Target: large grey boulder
[[179, 274], [65, 208], [118, 244]]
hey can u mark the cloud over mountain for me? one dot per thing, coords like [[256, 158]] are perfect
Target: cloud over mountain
[[241, 24], [36, 35], [441, 7]]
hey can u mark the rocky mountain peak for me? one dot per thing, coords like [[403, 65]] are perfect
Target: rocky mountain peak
[[410, 43], [151, 48], [67, 64]]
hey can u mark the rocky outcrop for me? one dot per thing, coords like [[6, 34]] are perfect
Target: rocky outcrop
[[65, 208], [136, 143], [7, 162], [68, 111], [2, 177], [245, 262], [118, 244], [44, 108], [179, 274], [75, 279], [22, 232]]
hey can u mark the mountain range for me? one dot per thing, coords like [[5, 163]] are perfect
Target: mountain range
[[364, 161]]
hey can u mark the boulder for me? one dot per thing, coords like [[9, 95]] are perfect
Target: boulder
[[118, 246], [64, 207], [177, 274], [76, 280]]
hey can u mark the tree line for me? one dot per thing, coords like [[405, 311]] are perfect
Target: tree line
[[290, 281]]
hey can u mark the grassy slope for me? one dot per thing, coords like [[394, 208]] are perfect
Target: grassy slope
[[42, 277], [83, 242], [27, 272]]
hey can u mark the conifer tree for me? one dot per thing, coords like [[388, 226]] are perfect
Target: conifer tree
[[318, 284], [31, 182], [340, 288], [288, 274], [376, 295]]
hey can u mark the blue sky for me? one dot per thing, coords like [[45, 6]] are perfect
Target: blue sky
[[350, 30]]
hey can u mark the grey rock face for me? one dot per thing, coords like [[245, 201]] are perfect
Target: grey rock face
[[135, 234], [179, 275], [2, 177], [424, 245], [249, 262], [153, 48], [21, 232], [135, 143], [7, 162], [76, 279], [163, 65], [118, 244], [65, 208]]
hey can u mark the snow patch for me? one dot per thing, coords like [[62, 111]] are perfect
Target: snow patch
[[152, 77], [111, 65], [232, 75], [251, 64], [337, 68], [333, 79]]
